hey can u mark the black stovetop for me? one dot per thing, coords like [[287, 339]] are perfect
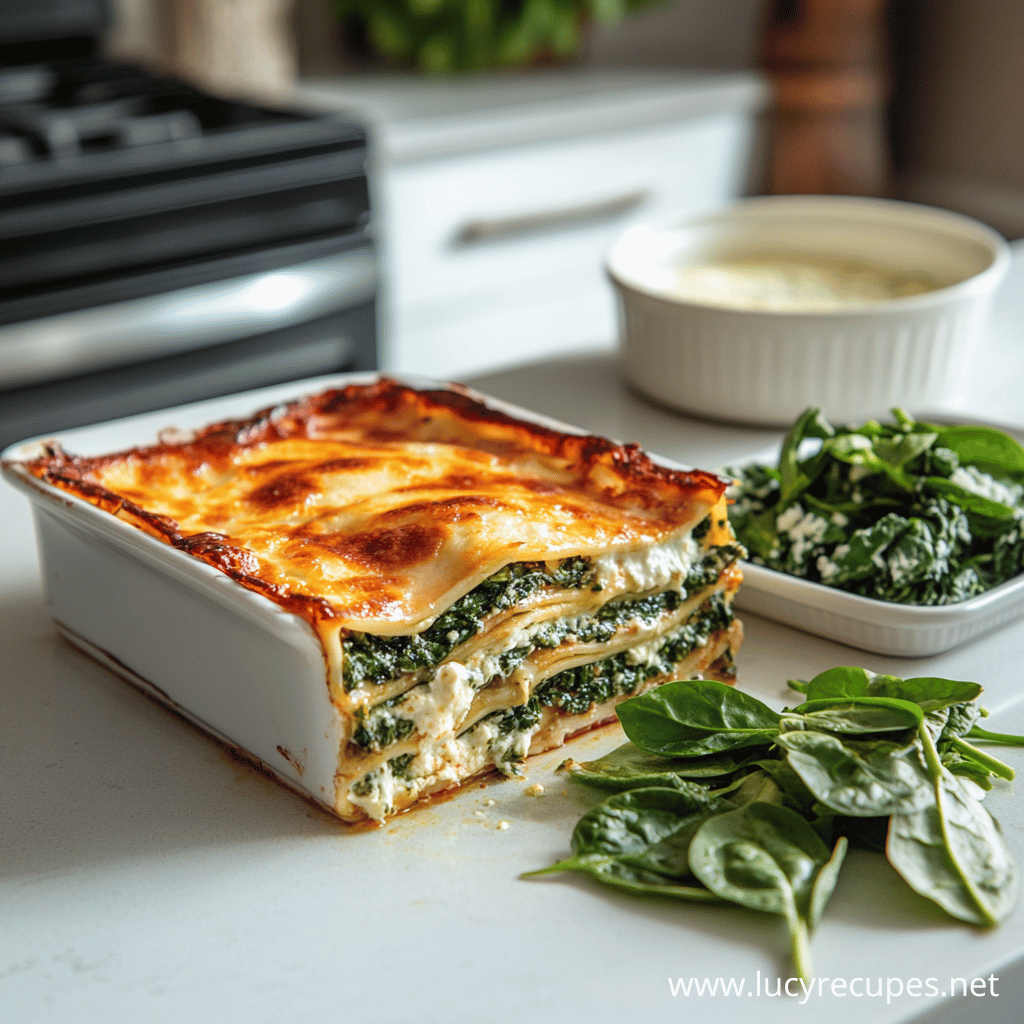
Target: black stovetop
[[117, 182]]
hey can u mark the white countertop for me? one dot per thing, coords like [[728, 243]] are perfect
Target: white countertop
[[421, 118], [147, 876]]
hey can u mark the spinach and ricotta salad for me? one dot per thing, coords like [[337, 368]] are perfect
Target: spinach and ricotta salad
[[910, 512], [717, 798]]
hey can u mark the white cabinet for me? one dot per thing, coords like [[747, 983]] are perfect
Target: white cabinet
[[497, 199]]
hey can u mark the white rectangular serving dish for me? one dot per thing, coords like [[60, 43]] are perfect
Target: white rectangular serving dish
[[227, 659], [884, 627], [908, 631]]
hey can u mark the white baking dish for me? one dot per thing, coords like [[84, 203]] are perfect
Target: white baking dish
[[226, 658]]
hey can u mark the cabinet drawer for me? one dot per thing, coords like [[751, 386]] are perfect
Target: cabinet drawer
[[499, 328], [479, 220]]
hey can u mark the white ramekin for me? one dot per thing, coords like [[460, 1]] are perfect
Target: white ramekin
[[765, 366]]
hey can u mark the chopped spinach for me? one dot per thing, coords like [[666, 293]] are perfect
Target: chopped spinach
[[376, 659], [400, 765], [906, 512], [576, 690], [380, 727]]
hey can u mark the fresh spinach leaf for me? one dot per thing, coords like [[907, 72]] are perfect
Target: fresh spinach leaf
[[640, 841], [629, 767], [858, 450], [792, 479], [756, 787], [990, 450], [960, 721], [952, 850], [857, 779], [898, 451], [692, 718], [970, 501], [930, 693], [768, 858], [854, 715], [845, 681]]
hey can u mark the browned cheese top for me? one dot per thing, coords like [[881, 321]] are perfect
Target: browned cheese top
[[374, 507]]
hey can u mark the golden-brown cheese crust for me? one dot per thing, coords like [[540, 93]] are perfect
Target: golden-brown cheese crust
[[374, 507]]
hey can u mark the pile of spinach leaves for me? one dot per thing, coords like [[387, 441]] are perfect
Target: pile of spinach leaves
[[720, 798], [910, 512]]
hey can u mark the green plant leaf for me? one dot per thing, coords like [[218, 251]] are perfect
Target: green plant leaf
[[953, 852], [990, 450], [854, 715], [969, 500], [930, 693], [768, 858], [640, 840], [845, 681], [865, 780], [629, 767], [755, 787], [692, 718], [898, 451], [825, 884], [792, 479]]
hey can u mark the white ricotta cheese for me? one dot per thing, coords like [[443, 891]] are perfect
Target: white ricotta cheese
[[970, 478], [804, 529], [653, 568]]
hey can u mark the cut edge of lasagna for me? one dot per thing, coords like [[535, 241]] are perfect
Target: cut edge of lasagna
[[483, 587]]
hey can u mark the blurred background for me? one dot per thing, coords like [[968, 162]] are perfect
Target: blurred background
[[203, 196]]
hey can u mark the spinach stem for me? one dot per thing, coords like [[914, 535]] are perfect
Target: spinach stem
[[993, 764], [996, 737], [801, 947], [938, 774]]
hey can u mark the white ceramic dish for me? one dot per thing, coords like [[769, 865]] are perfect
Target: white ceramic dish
[[229, 660], [765, 366], [884, 627], [907, 631]]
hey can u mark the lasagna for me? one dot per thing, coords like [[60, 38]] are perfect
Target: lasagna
[[483, 586]]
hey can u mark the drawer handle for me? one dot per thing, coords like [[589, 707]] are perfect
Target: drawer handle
[[486, 230]]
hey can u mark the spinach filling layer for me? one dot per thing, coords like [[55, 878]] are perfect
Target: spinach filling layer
[[385, 723], [377, 659], [367, 658], [576, 690]]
